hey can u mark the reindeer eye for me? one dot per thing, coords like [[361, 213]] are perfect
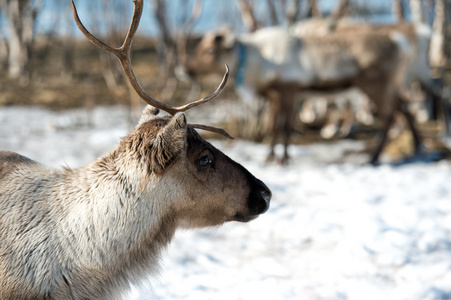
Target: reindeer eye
[[205, 161]]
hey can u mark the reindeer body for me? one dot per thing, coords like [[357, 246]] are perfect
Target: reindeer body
[[88, 233]]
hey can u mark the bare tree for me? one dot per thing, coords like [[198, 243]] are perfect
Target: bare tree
[[21, 16], [248, 15], [112, 12], [3, 49], [341, 9], [437, 46], [416, 11], [68, 51], [172, 48], [293, 10], [273, 17], [339, 12], [398, 10], [314, 9], [167, 49]]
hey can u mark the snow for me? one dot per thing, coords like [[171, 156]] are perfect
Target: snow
[[337, 228]]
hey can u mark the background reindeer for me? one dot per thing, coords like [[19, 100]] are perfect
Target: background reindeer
[[90, 232], [418, 68], [274, 63]]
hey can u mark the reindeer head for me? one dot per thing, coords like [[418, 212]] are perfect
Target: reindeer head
[[202, 186], [212, 52]]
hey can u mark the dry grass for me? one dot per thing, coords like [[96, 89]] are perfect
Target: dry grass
[[51, 87]]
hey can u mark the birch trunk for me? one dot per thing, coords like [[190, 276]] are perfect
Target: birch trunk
[[21, 15], [437, 46]]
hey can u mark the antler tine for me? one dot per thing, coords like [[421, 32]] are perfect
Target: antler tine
[[88, 35], [210, 97], [220, 131], [123, 54]]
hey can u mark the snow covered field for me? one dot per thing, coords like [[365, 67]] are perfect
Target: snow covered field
[[336, 229]]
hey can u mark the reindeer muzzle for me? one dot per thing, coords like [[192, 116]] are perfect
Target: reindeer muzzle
[[258, 202]]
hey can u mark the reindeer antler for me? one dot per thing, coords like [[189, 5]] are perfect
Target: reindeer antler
[[123, 54]]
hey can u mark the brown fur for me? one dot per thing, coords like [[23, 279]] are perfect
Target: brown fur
[[88, 233]]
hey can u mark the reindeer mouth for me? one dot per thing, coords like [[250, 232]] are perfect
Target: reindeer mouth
[[243, 218]]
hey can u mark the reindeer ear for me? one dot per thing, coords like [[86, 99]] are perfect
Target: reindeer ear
[[168, 143], [148, 114], [226, 37]]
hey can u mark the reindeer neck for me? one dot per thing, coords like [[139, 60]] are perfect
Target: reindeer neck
[[119, 226]]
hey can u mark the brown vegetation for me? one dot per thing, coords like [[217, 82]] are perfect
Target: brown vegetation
[[52, 87]]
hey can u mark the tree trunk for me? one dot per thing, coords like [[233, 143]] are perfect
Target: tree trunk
[[339, 12], [398, 11], [274, 20], [3, 51], [437, 46], [447, 41], [415, 8], [315, 10], [21, 17], [248, 16], [293, 12]]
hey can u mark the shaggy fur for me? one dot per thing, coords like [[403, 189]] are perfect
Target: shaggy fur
[[88, 233]]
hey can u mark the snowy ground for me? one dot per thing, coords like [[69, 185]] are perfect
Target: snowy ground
[[336, 229]]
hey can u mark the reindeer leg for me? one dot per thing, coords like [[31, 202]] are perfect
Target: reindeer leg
[[440, 104], [329, 129], [275, 110], [348, 120], [443, 106], [288, 97], [411, 121], [387, 124]]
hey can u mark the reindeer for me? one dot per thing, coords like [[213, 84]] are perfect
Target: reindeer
[[417, 68], [89, 233], [418, 36], [274, 63]]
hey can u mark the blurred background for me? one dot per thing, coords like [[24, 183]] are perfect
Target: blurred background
[[337, 228], [45, 61]]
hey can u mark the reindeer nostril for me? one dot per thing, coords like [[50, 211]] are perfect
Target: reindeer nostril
[[259, 197], [263, 201], [262, 197], [266, 195]]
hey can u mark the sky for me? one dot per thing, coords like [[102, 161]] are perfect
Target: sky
[[56, 15]]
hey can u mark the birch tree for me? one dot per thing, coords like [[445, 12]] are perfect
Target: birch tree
[[437, 46], [398, 10], [21, 16], [415, 9]]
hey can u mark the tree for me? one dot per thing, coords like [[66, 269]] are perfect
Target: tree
[[248, 15], [398, 11], [3, 49], [172, 50], [415, 8], [437, 46], [21, 16]]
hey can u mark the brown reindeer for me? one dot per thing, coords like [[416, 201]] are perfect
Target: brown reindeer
[[89, 233], [418, 36], [417, 68], [274, 63]]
